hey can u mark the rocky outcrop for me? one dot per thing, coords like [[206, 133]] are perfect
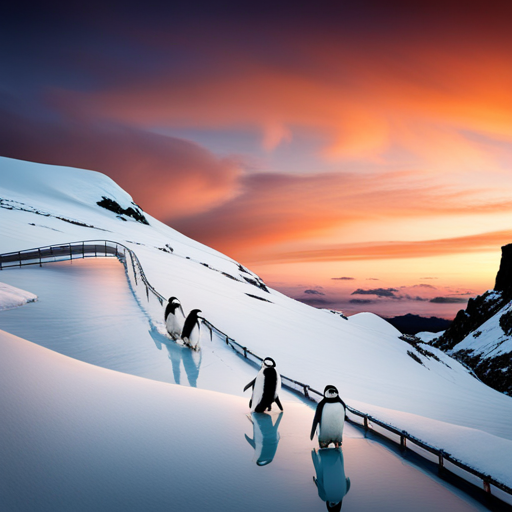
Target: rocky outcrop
[[504, 277], [478, 311], [494, 370]]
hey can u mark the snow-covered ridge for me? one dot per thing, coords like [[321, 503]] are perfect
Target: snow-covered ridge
[[12, 297], [369, 364]]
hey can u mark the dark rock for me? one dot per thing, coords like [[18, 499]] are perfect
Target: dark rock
[[478, 311], [114, 206], [412, 324], [504, 276], [506, 323]]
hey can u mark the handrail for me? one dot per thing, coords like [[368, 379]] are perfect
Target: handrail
[[109, 248]]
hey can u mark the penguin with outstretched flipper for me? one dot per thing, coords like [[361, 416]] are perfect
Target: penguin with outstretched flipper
[[191, 332], [330, 418], [265, 387], [174, 318]]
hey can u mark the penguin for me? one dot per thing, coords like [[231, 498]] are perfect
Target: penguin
[[265, 387], [265, 437], [331, 482], [330, 418], [174, 318], [192, 329]]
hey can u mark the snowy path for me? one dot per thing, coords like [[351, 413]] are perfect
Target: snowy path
[[86, 311]]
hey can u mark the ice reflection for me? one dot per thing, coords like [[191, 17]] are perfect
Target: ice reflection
[[178, 354], [265, 437], [330, 476]]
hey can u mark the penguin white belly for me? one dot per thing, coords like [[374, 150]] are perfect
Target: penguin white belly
[[257, 391], [195, 335], [332, 423], [174, 325]]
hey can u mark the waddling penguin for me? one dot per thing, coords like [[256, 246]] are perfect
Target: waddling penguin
[[192, 329], [265, 387], [174, 318], [330, 418]]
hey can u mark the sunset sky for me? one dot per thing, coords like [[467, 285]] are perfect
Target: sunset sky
[[356, 155]]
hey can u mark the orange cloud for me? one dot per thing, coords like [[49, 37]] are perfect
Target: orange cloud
[[394, 250], [274, 209], [165, 175]]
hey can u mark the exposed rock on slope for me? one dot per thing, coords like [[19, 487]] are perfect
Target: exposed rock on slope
[[481, 335]]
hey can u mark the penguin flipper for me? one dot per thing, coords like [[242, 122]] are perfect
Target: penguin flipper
[[316, 419], [250, 385], [250, 403], [278, 402]]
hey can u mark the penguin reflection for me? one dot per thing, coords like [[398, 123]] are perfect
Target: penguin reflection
[[177, 354], [265, 437], [330, 478]]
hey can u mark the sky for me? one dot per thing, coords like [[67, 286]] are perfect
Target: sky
[[357, 156]]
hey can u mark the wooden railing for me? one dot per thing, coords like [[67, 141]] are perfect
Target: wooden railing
[[108, 248]]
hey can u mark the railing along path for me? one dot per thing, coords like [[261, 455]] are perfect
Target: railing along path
[[108, 248]]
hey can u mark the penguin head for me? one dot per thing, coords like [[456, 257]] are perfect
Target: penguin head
[[173, 300], [269, 362], [195, 312], [330, 392]]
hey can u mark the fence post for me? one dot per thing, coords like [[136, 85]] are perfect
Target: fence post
[[441, 461], [306, 394], [83, 250], [40, 261], [19, 256], [366, 422], [105, 248], [487, 487], [403, 440], [70, 252]]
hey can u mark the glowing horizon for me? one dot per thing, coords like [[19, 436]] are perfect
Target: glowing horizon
[[366, 141]]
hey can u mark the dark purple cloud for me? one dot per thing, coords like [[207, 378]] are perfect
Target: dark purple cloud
[[379, 292], [448, 300], [343, 278], [362, 301], [313, 292]]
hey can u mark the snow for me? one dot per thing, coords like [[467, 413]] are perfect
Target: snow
[[488, 340], [12, 297], [85, 438], [428, 336], [363, 357]]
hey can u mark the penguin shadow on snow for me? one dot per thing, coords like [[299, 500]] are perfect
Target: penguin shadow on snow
[[330, 480], [265, 437], [177, 354]]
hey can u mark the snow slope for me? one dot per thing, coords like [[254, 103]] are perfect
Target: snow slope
[[371, 367], [12, 297]]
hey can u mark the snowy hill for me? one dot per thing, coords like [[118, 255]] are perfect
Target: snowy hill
[[415, 387], [481, 335]]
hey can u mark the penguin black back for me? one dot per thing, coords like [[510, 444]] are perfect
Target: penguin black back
[[172, 305], [190, 322]]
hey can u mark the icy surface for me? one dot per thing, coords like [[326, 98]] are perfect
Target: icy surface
[[363, 357], [87, 311], [12, 297], [84, 438]]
